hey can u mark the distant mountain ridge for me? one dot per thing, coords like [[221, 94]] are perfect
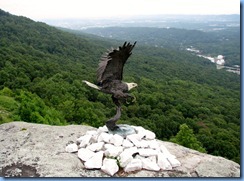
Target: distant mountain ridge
[[190, 22]]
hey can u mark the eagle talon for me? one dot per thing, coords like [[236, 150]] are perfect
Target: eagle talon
[[131, 101], [134, 99]]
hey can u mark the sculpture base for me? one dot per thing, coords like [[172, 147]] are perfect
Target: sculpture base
[[123, 130]]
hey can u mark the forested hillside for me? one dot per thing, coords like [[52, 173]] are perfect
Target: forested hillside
[[225, 41], [41, 73]]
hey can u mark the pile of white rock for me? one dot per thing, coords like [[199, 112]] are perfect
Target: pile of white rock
[[102, 150]]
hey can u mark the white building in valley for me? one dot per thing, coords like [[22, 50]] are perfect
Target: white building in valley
[[220, 60]]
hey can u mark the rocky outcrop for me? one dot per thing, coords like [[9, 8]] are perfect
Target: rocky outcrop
[[35, 150], [131, 151]]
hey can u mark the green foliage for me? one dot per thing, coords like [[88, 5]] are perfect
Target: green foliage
[[186, 137], [6, 92], [42, 69], [8, 105], [33, 109]]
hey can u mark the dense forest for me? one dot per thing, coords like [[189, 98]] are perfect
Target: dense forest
[[41, 73]]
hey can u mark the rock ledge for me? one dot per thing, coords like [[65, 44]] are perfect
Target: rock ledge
[[35, 150]]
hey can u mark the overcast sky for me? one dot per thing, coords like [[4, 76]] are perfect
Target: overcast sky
[[53, 9]]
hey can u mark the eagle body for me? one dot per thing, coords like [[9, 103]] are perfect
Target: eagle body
[[109, 78], [115, 87]]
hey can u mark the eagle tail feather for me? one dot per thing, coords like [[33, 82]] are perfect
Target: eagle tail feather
[[92, 85]]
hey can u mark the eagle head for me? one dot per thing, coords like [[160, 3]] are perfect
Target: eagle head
[[131, 85]]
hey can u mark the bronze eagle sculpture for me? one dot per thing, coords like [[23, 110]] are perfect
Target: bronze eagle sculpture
[[109, 79]]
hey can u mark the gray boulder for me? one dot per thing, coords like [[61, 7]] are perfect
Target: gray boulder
[[36, 150]]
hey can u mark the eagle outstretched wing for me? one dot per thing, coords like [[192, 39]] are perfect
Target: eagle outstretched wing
[[112, 63]]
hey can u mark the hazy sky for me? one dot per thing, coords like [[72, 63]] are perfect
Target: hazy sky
[[49, 9]]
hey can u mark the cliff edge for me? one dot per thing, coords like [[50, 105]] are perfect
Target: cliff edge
[[36, 150]]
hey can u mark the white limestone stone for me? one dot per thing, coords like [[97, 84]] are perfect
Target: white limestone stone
[[84, 140], [85, 154], [117, 140], [149, 135], [124, 160], [143, 144], [127, 144], [110, 166], [102, 129], [134, 139], [71, 148], [108, 145], [153, 158], [105, 137], [91, 132], [153, 144], [163, 163], [113, 151], [95, 146], [95, 162], [174, 162], [126, 156], [141, 134], [139, 128], [165, 151], [131, 150], [136, 136], [139, 156], [94, 136], [133, 165], [147, 152], [149, 165]]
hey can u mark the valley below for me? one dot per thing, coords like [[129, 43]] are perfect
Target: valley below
[[219, 61]]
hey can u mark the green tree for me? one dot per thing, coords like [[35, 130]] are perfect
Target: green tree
[[6, 92], [33, 109], [186, 137]]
